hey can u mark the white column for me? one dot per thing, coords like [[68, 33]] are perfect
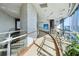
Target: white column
[[29, 21]]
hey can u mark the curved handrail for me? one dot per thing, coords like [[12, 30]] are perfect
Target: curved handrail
[[56, 46], [10, 39], [61, 41]]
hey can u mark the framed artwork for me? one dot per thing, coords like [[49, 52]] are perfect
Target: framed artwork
[[45, 26]]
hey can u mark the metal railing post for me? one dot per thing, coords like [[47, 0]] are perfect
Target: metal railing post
[[9, 39], [9, 46]]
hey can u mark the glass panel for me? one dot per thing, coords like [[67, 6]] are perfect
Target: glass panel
[[3, 47]]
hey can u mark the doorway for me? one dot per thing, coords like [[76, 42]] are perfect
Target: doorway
[[17, 24], [51, 25], [17, 27]]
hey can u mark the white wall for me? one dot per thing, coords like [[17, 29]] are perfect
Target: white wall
[[24, 17], [6, 22]]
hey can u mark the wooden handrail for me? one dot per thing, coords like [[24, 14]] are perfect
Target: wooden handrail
[[55, 43], [59, 42]]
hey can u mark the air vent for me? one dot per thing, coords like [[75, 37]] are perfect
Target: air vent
[[44, 5], [69, 5]]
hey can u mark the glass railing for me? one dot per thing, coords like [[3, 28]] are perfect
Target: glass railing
[[16, 42], [53, 41], [67, 39], [2, 46], [11, 43], [60, 39]]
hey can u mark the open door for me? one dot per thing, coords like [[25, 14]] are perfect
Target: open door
[[51, 25]]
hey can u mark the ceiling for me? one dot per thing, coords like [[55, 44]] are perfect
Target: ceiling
[[53, 10], [12, 9], [45, 11]]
